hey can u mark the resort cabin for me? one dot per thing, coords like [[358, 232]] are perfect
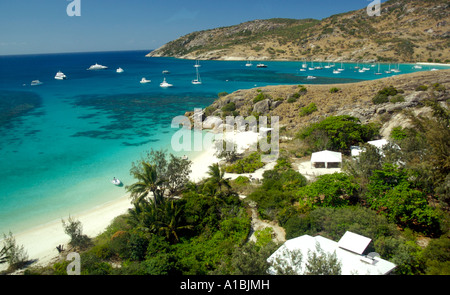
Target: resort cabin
[[350, 251], [326, 159]]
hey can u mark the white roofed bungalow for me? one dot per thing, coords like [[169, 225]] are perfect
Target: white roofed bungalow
[[349, 252], [328, 158]]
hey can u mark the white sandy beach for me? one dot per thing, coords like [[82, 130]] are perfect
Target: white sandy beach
[[40, 242]]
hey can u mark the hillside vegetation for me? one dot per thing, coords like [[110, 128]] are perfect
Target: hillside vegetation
[[406, 31]]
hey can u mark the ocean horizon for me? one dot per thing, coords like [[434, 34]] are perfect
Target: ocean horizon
[[64, 140]]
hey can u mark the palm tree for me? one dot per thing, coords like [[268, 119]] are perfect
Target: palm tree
[[148, 182], [216, 176], [172, 221]]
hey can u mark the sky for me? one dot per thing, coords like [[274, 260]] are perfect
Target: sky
[[44, 26]]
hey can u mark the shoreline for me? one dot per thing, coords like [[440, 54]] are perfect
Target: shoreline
[[40, 241], [252, 58]]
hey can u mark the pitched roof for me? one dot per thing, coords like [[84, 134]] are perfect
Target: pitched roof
[[326, 156], [351, 262]]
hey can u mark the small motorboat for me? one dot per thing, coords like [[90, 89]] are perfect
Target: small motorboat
[[119, 70], [164, 84], [165, 72], [97, 67], [310, 77], [36, 83], [60, 76], [144, 80], [261, 66], [115, 181]]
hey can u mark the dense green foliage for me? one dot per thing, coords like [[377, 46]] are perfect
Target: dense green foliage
[[390, 192], [337, 133], [247, 164], [329, 190], [277, 193]]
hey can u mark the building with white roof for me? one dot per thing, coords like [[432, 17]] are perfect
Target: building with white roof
[[349, 252], [326, 157]]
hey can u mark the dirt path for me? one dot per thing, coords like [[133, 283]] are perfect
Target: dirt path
[[279, 234]]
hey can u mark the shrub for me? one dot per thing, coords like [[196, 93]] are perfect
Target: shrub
[[224, 93], [248, 164], [390, 192], [398, 133], [302, 89], [209, 110], [439, 87], [230, 107], [291, 100], [309, 109], [259, 97], [397, 98], [74, 229], [380, 98], [329, 190], [422, 88], [242, 180], [334, 222], [15, 255], [334, 90], [337, 133], [383, 95]]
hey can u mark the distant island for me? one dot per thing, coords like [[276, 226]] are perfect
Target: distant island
[[406, 31]]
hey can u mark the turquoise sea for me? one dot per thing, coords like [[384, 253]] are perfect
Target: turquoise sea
[[63, 141]]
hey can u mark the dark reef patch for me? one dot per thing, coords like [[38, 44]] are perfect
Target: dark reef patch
[[134, 115]]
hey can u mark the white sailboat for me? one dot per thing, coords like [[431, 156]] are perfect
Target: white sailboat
[[304, 65], [144, 81], [397, 69], [197, 64], [342, 68], [248, 64], [378, 73], [119, 70], [197, 81], [389, 71], [164, 84]]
